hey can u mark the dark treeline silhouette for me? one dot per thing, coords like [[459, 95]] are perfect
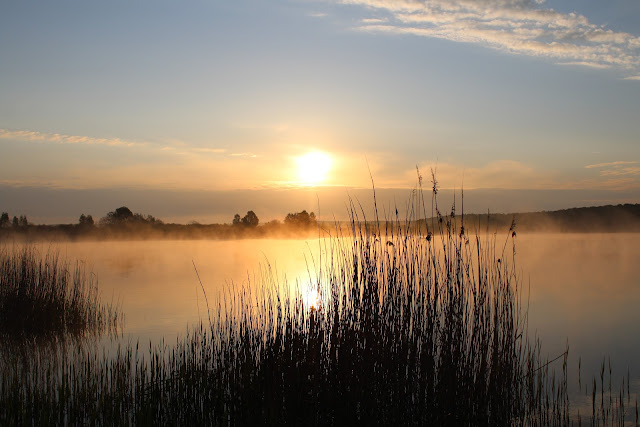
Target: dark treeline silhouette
[[16, 222], [123, 217], [123, 223], [597, 219], [86, 221], [249, 220], [301, 219]]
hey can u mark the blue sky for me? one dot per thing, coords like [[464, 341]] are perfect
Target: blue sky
[[225, 95]]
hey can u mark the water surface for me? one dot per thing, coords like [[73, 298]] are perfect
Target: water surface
[[582, 289]]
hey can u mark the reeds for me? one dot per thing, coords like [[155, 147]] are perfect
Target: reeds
[[43, 296], [414, 326]]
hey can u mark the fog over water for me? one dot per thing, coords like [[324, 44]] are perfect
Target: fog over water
[[583, 289], [66, 205], [156, 284]]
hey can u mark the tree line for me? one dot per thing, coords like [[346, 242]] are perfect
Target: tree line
[[123, 221], [17, 222], [297, 219]]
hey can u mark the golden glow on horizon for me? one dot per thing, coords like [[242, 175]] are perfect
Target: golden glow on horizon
[[313, 167]]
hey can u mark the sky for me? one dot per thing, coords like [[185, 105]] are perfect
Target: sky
[[198, 109]]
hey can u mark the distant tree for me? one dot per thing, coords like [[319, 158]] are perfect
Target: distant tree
[[121, 215], [22, 221], [150, 219], [300, 219], [86, 221], [272, 226], [4, 220], [250, 219], [15, 222], [236, 219]]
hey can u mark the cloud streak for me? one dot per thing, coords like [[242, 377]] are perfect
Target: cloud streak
[[522, 27], [57, 138], [26, 135], [605, 165], [635, 171], [620, 174]]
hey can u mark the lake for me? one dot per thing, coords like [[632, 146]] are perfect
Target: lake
[[581, 289]]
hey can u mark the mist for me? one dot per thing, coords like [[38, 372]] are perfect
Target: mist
[[63, 206], [580, 289]]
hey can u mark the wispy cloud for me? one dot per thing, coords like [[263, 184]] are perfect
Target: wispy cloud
[[620, 174], [586, 64], [26, 135], [174, 146], [210, 150], [523, 27], [606, 165], [635, 171], [369, 21]]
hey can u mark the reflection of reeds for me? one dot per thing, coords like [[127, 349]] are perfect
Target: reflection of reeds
[[42, 297], [416, 326]]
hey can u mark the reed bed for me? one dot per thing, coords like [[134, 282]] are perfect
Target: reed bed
[[41, 296], [413, 325]]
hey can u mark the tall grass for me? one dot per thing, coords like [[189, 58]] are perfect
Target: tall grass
[[414, 325], [43, 296]]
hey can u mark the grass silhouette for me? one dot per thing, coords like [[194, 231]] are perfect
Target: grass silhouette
[[43, 296], [415, 325]]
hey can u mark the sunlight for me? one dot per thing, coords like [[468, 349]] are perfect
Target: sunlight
[[312, 299], [313, 167]]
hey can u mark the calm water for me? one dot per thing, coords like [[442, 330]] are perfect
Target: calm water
[[584, 289], [155, 282]]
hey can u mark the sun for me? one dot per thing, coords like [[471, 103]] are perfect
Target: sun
[[313, 167]]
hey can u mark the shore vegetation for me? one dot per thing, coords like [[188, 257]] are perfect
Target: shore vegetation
[[410, 323]]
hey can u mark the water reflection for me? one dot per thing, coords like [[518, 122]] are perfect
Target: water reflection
[[157, 286], [584, 289]]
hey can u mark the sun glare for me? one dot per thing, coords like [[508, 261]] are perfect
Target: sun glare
[[313, 168], [312, 299]]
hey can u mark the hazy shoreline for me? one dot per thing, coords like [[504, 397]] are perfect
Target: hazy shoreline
[[602, 219]]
